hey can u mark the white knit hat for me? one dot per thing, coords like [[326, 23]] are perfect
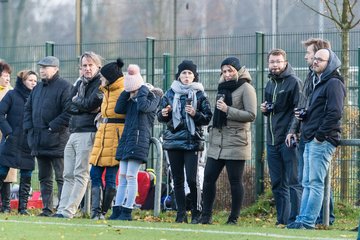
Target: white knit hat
[[133, 80]]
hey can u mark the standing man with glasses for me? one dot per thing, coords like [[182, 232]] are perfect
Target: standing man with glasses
[[46, 122], [281, 97], [321, 132], [312, 45]]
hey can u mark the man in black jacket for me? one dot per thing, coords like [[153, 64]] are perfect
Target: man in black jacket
[[321, 132], [46, 121], [85, 105], [281, 97]]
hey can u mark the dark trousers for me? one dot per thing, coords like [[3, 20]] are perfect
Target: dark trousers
[[235, 169], [46, 167], [96, 173], [301, 148], [285, 185], [189, 160]]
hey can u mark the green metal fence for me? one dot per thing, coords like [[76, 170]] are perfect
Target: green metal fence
[[158, 60]]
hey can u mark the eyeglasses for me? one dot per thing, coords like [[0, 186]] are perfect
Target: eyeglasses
[[320, 60], [277, 62]]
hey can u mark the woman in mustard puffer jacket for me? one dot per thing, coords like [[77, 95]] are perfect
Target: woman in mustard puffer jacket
[[106, 141]]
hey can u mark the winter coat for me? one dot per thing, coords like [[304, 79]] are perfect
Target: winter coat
[[283, 91], [12, 174], [46, 119], [326, 105], [83, 109], [140, 115], [14, 149], [233, 141], [107, 136], [180, 138]]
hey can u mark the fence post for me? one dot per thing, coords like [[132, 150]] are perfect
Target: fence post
[[158, 174], [358, 152], [150, 58], [259, 122], [49, 48], [166, 71]]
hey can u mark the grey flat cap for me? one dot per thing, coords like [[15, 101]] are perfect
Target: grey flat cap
[[49, 61]]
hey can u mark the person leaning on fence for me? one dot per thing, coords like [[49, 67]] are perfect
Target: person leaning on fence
[[321, 132], [229, 136], [14, 150], [282, 94], [86, 99], [185, 109], [312, 45], [139, 102], [107, 136], [46, 122], [5, 71]]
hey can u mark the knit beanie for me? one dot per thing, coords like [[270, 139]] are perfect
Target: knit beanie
[[232, 61], [133, 80], [187, 65], [112, 71]]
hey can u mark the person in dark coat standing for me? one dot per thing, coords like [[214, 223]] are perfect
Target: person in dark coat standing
[[14, 150], [86, 100], [139, 102], [46, 121], [185, 109]]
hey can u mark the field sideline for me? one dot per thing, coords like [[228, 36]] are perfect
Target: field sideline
[[20, 227]]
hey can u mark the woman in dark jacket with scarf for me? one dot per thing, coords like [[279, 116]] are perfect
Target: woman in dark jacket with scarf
[[139, 102], [185, 109], [230, 136], [14, 150]]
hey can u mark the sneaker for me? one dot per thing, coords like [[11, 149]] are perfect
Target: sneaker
[[58, 215], [44, 214], [232, 221], [299, 225]]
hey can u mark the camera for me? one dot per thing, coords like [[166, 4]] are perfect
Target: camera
[[269, 107], [301, 112], [293, 142], [220, 96], [188, 101]]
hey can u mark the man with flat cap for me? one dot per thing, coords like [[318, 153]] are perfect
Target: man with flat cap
[[46, 123]]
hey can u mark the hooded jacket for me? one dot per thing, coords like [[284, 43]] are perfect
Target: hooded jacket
[[233, 141], [283, 91], [14, 149], [325, 105]]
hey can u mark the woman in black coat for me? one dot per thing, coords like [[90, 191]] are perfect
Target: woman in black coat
[[14, 150]]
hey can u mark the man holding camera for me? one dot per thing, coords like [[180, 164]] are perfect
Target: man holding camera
[[321, 132], [281, 97]]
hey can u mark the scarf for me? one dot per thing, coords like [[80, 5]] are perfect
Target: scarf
[[84, 82], [190, 91], [226, 88]]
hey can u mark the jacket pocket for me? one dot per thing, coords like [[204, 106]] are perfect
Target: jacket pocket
[[49, 138], [238, 137]]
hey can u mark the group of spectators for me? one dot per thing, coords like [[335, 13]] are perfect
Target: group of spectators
[[102, 124]]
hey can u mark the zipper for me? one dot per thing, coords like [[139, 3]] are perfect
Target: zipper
[[137, 136], [272, 113]]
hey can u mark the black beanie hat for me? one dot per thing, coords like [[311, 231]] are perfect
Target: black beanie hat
[[232, 61], [112, 71], [187, 65]]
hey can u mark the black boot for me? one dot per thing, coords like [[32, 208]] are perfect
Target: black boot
[[125, 214], [109, 195], [195, 216], [96, 195], [206, 218], [181, 217], [232, 220], [5, 197], [24, 190], [116, 212]]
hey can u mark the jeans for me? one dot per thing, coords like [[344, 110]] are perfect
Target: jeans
[[128, 186], [235, 169], [46, 166], [301, 148], [189, 160], [96, 173], [76, 172], [286, 188], [317, 159]]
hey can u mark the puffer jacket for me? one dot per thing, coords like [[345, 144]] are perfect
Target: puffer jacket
[[107, 136], [181, 138], [233, 141], [283, 91], [14, 149], [46, 119], [140, 115]]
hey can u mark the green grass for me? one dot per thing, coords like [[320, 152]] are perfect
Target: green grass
[[256, 222]]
